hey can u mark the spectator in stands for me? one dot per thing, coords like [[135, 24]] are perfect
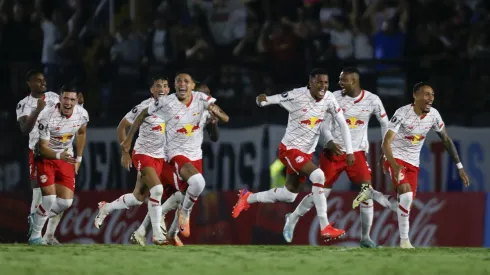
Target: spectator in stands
[[159, 50]]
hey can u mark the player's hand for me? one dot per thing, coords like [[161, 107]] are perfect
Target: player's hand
[[213, 109], [261, 98], [66, 156], [126, 161], [464, 177], [77, 166], [350, 159], [40, 104], [81, 100], [397, 171], [125, 145], [212, 120], [334, 148]]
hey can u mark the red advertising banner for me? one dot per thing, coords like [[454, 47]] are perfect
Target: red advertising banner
[[436, 219]]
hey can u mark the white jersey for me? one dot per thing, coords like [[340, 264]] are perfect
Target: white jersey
[[305, 116], [357, 112], [184, 123], [411, 131], [60, 130], [27, 105], [151, 138]]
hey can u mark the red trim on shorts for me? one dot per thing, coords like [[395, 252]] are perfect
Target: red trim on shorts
[[402, 209], [362, 96]]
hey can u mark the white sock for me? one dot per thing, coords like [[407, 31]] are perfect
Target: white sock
[[305, 205], [403, 213], [123, 202], [281, 194], [145, 225], [196, 186], [172, 203], [36, 199], [367, 213], [393, 202], [52, 225], [317, 179], [174, 230], [155, 209], [380, 198], [41, 216], [59, 206]]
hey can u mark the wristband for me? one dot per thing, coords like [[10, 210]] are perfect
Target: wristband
[[79, 159], [459, 165], [58, 155]]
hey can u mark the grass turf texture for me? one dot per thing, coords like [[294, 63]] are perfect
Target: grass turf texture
[[233, 260]]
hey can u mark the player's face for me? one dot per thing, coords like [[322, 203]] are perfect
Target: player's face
[[37, 83], [159, 88], [424, 98], [346, 82], [319, 85], [68, 101], [183, 86], [205, 89]]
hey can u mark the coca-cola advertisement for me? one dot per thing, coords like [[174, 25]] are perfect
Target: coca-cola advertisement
[[436, 219]]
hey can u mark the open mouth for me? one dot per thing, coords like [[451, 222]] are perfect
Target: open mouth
[[181, 91], [321, 93], [428, 105]]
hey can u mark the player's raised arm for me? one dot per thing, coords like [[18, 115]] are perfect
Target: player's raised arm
[[439, 128], [81, 138], [218, 113], [126, 144], [28, 120], [263, 100]]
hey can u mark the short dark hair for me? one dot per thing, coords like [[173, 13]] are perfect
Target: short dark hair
[[351, 70], [156, 78], [68, 88], [32, 73], [419, 85], [187, 73], [318, 71]]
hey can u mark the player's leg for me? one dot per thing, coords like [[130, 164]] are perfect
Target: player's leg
[[173, 232], [332, 167], [36, 190], [191, 174], [150, 178], [125, 201]]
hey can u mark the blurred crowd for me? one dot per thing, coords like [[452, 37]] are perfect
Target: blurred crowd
[[269, 45]]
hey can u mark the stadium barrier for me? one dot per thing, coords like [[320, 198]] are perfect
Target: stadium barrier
[[437, 219]]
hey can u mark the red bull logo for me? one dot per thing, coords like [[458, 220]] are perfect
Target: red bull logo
[[64, 138], [415, 139], [311, 122], [159, 128], [354, 122], [188, 129]]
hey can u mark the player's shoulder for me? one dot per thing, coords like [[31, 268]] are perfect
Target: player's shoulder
[[337, 94], [51, 94], [82, 111], [21, 104], [434, 111], [370, 95], [49, 110], [145, 103]]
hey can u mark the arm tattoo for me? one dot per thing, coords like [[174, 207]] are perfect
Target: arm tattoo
[[449, 145]]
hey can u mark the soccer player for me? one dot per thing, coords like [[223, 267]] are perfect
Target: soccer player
[[307, 107], [402, 145], [358, 105], [148, 157], [174, 196], [58, 126], [28, 110], [182, 112]]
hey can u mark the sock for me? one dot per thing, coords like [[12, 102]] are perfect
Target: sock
[[281, 194], [196, 186], [305, 205], [367, 213], [174, 230], [393, 202], [36, 199], [317, 179], [380, 198], [403, 213], [144, 226], [172, 203], [52, 225], [41, 216], [155, 209], [123, 202], [59, 206]]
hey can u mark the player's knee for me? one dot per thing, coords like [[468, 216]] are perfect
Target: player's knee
[[196, 183], [64, 204], [289, 196], [156, 191], [406, 200], [317, 177], [48, 201]]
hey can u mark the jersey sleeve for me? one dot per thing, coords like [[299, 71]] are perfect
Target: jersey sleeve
[[156, 108], [22, 109], [206, 99], [379, 109], [85, 117], [396, 121], [131, 115], [438, 122], [43, 125], [333, 106]]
